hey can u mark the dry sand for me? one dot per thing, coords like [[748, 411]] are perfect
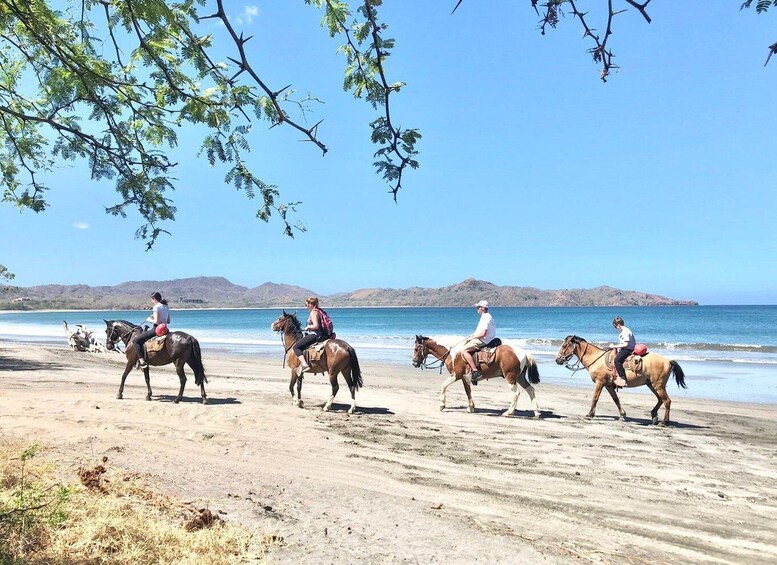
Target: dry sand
[[401, 481]]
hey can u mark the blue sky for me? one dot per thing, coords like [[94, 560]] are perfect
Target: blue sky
[[533, 172]]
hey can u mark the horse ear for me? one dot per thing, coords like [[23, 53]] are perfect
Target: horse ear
[[284, 313]]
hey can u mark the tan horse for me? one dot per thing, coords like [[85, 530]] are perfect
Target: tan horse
[[509, 363], [337, 357], [654, 374]]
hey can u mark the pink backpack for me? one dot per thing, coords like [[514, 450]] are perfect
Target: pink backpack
[[325, 322]]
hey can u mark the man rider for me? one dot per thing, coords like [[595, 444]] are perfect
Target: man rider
[[484, 333]]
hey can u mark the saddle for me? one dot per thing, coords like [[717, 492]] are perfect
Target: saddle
[[486, 355], [314, 352], [155, 344], [632, 363]]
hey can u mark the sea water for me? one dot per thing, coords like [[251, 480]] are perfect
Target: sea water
[[726, 352]]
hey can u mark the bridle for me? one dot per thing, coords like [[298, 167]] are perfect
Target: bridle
[[425, 352], [284, 330], [575, 342], [123, 337]]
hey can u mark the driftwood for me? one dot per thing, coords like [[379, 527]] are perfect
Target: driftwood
[[81, 339]]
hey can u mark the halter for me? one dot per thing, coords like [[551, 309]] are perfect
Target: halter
[[283, 332]]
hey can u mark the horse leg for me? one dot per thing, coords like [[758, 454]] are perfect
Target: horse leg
[[526, 385], [296, 399], [446, 383], [468, 392], [351, 387], [654, 411], [595, 399], [616, 400], [181, 377], [335, 387], [127, 370], [667, 403], [516, 394], [147, 375]]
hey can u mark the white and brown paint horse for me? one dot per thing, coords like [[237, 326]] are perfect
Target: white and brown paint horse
[[514, 364], [337, 357], [654, 374]]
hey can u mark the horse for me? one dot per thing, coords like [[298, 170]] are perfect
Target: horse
[[654, 374], [511, 363], [336, 357], [179, 348]]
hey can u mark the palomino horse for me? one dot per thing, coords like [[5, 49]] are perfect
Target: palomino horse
[[336, 357], [179, 348], [655, 374], [512, 364]]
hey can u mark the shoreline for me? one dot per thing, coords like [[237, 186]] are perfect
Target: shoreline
[[477, 486]]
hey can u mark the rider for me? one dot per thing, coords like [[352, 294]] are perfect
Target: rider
[[484, 333], [160, 314], [625, 346], [315, 333]]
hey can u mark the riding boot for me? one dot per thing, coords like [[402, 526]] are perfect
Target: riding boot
[[476, 375], [619, 381], [142, 363]]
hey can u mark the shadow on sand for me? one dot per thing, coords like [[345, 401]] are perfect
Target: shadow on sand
[[14, 364], [195, 399]]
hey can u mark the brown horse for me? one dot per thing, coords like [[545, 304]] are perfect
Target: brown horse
[[511, 363], [654, 373], [336, 357], [179, 348]]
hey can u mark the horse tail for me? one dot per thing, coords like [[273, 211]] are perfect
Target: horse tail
[[356, 372], [196, 364], [534, 373], [679, 376]]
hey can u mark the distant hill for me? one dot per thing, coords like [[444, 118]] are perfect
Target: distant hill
[[218, 292]]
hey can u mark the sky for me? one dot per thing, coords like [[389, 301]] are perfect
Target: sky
[[533, 172]]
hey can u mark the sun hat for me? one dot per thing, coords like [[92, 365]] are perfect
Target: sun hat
[[482, 304]]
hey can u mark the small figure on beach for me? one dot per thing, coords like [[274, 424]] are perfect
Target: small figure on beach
[[625, 347], [483, 334], [318, 328], [160, 314]]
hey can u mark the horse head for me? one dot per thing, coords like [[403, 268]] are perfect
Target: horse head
[[116, 330], [420, 351], [287, 323], [568, 349]]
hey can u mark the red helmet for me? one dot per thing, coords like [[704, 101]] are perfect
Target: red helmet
[[161, 329]]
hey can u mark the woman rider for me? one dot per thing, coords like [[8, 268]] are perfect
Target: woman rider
[[160, 314], [314, 333]]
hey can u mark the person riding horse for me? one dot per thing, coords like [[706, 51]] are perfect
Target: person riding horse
[[484, 333], [625, 347], [160, 314], [315, 333]]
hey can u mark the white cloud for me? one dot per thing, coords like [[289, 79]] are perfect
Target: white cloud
[[80, 225], [249, 13]]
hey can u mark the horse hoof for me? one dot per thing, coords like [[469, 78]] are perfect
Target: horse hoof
[[352, 410], [662, 424], [176, 401], [204, 400], [506, 414], [655, 421], [589, 416], [149, 397], [119, 397], [442, 407], [537, 416]]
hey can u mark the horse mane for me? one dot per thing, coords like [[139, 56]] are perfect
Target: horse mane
[[295, 327]]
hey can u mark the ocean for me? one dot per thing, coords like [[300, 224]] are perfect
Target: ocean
[[727, 352]]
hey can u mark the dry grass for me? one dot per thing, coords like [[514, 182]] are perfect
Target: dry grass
[[110, 517]]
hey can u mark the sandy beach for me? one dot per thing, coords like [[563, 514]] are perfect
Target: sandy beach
[[402, 482]]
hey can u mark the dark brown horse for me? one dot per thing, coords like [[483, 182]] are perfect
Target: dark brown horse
[[336, 357], [179, 348], [654, 374], [511, 363]]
